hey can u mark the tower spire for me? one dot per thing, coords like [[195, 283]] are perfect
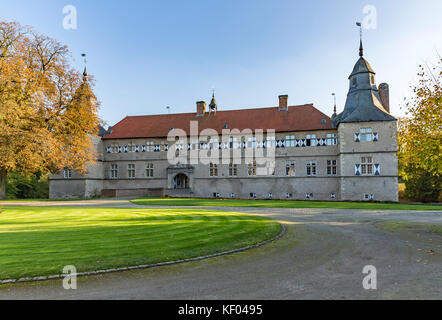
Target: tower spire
[[85, 61], [361, 48]]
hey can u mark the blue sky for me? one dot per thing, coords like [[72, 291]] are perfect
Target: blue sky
[[146, 55]]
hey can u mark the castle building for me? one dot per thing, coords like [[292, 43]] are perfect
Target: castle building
[[348, 156]]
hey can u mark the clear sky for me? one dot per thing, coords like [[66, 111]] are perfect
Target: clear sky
[[146, 55]]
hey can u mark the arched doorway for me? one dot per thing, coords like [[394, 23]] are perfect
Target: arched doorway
[[181, 181]]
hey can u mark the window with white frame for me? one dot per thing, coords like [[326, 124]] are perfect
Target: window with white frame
[[331, 139], [149, 146], [311, 168], [311, 140], [149, 170], [290, 169], [67, 173], [332, 167], [213, 170], [270, 165], [233, 170], [270, 141], [251, 168], [366, 134], [366, 166], [131, 171], [289, 141], [114, 171], [251, 142]]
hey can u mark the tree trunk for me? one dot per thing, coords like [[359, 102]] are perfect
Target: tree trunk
[[2, 184]]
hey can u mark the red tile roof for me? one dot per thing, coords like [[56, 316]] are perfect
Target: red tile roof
[[297, 118]]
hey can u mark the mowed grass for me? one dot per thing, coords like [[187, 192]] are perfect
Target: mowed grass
[[282, 204], [38, 241], [405, 225]]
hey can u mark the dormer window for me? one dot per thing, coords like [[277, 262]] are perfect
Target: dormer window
[[372, 79], [354, 81]]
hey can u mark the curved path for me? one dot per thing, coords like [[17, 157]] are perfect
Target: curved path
[[321, 257]]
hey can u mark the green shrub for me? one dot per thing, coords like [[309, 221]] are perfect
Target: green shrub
[[27, 186]]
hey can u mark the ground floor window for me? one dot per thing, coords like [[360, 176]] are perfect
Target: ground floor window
[[67, 173], [233, 170], [251, 168], [114, 171], [131, 171], [149, 170], [332, 168], [290, 168], [213, 170], [271, 167], [311, 168], [366, 165]]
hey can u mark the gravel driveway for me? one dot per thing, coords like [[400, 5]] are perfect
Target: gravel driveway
[[321, 257]]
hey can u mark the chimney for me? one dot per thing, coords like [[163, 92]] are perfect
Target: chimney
[[384, 93], [283, 103], [200, 108]]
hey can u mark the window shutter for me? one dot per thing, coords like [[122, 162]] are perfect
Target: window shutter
[[137, 148], [125, 148], [108, 149], [143, 148], [303, 143], [357, 137], [166, 147], [119, 149], [377, 169], [375, 136], [357, 169]]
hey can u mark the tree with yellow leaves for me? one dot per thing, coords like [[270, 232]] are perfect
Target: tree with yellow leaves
[[48, 112], [420, 136]]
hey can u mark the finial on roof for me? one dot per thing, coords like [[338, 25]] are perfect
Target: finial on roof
[[213, 106], [361, 49], [334, 108], [85, 61]]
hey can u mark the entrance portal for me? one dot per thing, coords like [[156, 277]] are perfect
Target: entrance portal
[[181, 181]]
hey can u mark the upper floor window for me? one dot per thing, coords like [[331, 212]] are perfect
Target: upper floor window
[[366, 165], [290, 168], [67, 173], [289, 141], [311, 140], [354, 81], [149, 170], [311, 168], [366, 134], [270, 141], [149, 146], [251, 142], [251, 168], [114, 171], [331, 139], [233, 170], [213, 170], [131, 171], [332, 168]]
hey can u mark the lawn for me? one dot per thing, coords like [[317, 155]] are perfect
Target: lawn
[[403, 225], [38, 241], [282, 204]]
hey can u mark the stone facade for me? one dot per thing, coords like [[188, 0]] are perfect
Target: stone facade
[[350, 160]]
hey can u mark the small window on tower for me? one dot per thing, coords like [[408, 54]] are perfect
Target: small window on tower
[[354, 81]]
